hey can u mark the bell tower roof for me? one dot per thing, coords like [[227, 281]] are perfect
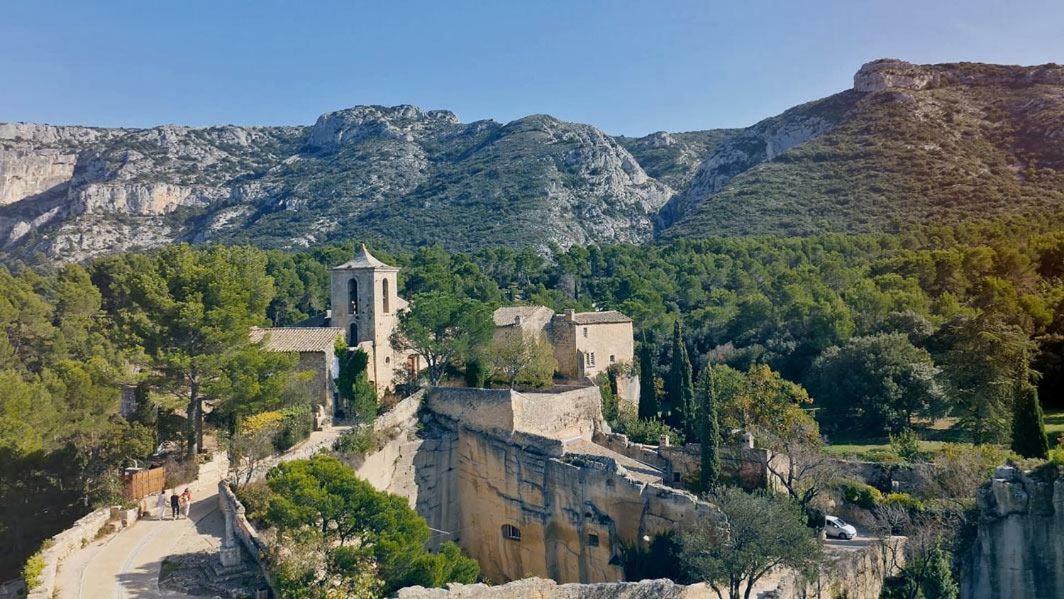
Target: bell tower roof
[[364, 260]]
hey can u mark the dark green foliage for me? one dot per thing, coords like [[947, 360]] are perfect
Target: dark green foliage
[[475, 374], [357, 525], [708, 431], [661, 559], [444, 329], [648, 392], [1028, 425], [353, 384], [876, 384], [680, 385]]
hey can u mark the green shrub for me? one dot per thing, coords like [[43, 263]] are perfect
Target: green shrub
[[862, 495], [256, 499], [32, 570], [358, 440], [907, 445], [1056, 456], [904, 500], [296, 425]]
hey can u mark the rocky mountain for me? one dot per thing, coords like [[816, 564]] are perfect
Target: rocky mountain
[[409, 175], [907, 144]]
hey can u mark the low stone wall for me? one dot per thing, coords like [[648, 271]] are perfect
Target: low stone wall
[[748, 465], [243, 529], [63, 544]]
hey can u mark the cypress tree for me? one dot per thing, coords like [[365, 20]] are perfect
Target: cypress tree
[[708, 431], [681, 388], [1028, 424], [648, 394], [364, 395]]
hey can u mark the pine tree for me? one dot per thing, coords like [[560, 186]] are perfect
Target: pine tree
[[1028, 424], [648, 394], [680, 387], [708, 430], [937, 581]]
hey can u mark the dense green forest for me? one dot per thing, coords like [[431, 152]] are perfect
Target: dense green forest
[[882, 330]]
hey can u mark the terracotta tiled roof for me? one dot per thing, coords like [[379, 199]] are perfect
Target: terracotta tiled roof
[[608, 316], [297, 339]]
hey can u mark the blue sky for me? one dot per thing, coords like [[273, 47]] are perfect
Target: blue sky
[[627, 67]]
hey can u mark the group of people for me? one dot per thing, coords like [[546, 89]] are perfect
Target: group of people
[[179, 504]]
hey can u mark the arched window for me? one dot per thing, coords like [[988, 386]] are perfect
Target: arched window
[[384, 290], [352, 296], [511, 532], [352, 334]]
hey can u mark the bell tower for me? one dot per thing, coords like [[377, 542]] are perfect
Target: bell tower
[[364, 304]]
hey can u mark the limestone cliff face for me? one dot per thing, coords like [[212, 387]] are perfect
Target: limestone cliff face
[[410, 175], [1019, 546]]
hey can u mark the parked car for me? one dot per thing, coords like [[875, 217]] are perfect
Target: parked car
[[837, 528]]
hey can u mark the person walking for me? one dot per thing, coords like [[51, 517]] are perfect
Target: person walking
[[160, 504], [186, 501], [175, 504]]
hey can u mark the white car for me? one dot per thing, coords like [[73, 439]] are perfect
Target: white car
[[838, 528]]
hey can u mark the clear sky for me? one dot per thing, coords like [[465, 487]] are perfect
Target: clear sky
[[628, 67]]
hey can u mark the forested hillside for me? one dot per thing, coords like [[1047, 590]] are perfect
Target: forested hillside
[[975, 310]]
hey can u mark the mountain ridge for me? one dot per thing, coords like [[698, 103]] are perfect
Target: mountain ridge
[[907, 143]]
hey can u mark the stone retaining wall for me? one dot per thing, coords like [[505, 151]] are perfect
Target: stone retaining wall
[[63, 544]]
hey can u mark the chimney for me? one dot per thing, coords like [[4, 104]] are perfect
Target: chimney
[[663, 440], [569, 314], [517, 320]]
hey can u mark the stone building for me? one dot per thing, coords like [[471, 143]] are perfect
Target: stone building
[[315, 348], [364, 311], [585, 344], [366, 304]]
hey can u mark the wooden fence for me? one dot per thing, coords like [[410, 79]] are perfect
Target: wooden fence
[[142, 483]]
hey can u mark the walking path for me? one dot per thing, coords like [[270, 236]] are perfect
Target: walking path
[[127, 564]]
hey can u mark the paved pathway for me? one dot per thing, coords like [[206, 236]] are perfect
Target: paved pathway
[[127, 564]]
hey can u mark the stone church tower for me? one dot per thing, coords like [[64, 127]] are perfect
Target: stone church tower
[[365, 305]]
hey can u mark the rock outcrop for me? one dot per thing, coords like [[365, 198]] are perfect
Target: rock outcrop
[[400, 172], [1018, 550]]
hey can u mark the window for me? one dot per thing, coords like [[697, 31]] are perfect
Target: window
[[352, 296], [384, 291], [613, 358], [675, 477], [387, 360], [511, 532], [585, 332], [352, 334], [592, 356], [592, 540]]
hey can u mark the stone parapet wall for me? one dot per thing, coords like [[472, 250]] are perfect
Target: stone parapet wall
[[568, 413], [63, 544]]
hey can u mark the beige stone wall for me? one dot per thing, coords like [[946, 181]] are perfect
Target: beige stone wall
[[575, 343], [320, 385], [373, 324]]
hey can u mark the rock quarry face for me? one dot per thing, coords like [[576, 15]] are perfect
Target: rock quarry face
[[1019, 546]]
